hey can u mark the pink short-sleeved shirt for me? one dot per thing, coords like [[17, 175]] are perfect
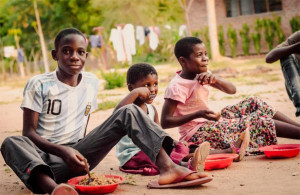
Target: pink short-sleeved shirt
[[192, 97]]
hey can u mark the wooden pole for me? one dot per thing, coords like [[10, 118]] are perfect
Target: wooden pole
[[212, 27], [41, 35], [21, 67], [1, 59], [103, 46], [186, 8]]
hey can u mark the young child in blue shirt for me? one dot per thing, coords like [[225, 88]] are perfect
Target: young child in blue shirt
[[142, 81]]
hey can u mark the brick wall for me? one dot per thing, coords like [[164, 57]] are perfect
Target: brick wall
[[198, 19]]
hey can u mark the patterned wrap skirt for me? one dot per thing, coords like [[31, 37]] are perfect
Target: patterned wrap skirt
[[223, 133]]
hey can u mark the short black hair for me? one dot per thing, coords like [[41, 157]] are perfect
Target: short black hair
[[139, 71], [65, 32], [184, 47]]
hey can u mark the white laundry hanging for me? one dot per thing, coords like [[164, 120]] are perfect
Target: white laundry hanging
[[182, 30], [116, 39], [153, 38], [123, 42], [140, 34]]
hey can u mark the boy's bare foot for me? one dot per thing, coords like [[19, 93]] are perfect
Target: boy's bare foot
[[178, 173], [200, 154], [64, 189]]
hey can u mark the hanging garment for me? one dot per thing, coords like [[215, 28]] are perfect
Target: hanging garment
[[129, 41], [146, 31], [95, 41], [182, 30], [20, 55], [116, 39], [140, 34], [153, 38]]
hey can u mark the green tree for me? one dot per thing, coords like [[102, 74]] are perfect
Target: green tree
[[256, 35], [221, 40], [204, 36], [295, 23], [279, 32], [232, 40], [269, 32], [244, 33]]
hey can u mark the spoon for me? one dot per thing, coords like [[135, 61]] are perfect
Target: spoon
[[88, 171]]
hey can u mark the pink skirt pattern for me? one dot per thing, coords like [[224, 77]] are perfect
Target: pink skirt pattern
[[221, 134]]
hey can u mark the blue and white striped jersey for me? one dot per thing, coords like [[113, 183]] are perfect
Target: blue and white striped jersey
[[63, 109]]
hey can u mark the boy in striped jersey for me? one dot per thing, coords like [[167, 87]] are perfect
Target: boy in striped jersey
[[56, 108]]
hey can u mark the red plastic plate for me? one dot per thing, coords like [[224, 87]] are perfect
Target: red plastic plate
[[281, 150], [102, 189], [219, 161]]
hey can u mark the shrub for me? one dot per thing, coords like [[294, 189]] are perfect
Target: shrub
[[114, 79], [278, 31], [205, 38], [232, 40], [244, 33], [164, 51], [269, 32], [295, 23], [221, 40], [256, 36]]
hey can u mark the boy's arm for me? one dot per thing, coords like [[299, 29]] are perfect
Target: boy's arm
[[169, 121], [278, 53], [71, 156], [141, 92]]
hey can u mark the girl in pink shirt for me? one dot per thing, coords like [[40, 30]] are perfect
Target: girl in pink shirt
[[186, 106]]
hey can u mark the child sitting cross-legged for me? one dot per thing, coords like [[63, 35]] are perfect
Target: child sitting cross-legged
[[142, 81], [186, 106]]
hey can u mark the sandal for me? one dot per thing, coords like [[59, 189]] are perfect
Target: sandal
[[245, 137], [197, 162]]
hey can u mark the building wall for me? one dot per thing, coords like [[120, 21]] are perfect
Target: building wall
[[198, 19]]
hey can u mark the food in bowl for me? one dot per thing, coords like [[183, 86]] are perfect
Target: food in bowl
[[98, 180]]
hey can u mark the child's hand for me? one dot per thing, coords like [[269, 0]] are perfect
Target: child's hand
[[143, 93], [205, 78], [73, 159], [210, 115]]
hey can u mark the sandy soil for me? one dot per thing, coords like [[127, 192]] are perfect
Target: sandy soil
[[254, 175]]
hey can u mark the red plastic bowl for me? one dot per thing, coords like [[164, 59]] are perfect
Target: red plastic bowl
[[101, 189], [281, 150], [219, 161]]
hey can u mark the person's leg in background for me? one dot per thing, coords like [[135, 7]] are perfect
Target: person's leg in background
[[291, 73]]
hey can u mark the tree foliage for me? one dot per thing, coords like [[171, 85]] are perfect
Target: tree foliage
[[82, 14]]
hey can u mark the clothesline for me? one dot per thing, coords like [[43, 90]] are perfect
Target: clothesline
[[124, 38]]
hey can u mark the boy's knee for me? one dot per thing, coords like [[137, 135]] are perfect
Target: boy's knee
[[11, 141], [8, 141]]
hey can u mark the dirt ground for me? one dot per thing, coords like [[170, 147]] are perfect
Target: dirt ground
[[254, 175]]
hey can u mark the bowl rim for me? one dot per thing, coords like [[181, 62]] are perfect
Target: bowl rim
[[222, 157], [271, 148], [106, 175]]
